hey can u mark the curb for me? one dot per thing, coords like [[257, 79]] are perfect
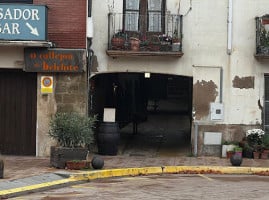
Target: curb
[[82, 176], [169, 170], [15, 192]]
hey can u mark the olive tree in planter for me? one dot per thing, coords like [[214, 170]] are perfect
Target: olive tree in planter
[[74, 133]]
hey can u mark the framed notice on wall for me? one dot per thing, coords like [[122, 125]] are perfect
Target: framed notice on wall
[[46, 84]]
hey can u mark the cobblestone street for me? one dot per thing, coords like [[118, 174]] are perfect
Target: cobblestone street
[[159, 187]]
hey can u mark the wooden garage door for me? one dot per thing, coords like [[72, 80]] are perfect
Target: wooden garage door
[[17, 112]]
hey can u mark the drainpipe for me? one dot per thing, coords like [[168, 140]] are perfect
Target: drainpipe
[[89, 65], [196, 130], [230, 27], [90, 52]]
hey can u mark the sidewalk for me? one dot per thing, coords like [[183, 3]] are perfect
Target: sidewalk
[[23, 174], [17, 167]]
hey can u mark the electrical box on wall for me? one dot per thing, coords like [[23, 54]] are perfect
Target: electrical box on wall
[[216, 111], [89, 27], [212, 138]]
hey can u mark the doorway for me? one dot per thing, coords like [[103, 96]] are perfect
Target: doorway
[[18, 112], [154, 111]]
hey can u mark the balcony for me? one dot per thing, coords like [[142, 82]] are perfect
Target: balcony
[[162, 36], [262, 37]]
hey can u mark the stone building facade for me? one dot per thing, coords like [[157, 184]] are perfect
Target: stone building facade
[[219, 56], [24, 127]]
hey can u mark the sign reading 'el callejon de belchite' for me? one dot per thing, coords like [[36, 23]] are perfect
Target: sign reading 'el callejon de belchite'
[[23, 22], [54, 60]]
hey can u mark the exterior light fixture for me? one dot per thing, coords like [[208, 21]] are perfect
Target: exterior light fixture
[[147, 75]]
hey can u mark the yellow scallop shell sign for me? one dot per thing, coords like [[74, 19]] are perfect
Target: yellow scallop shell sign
[[46, 84]]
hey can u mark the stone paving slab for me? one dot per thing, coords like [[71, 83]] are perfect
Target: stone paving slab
[[46, 177]]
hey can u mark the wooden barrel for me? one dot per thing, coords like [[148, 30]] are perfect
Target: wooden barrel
[[108, 138]]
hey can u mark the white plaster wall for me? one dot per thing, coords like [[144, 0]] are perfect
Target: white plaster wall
[[11, 57], [204, 46], [200, 33], [141, 64], [243, 103]]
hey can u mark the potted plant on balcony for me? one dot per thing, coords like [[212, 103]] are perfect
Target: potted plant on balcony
[[118, 40], [134, 43], [73, 133], [166, 42], [264, 41], [154, 43], [176, 42]]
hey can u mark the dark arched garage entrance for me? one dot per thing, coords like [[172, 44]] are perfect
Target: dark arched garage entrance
[[153, 111]]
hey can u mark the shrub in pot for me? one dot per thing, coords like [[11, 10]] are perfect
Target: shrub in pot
[[73, 133], [255, 140], [265, 146], [265, 141], [248, 151]]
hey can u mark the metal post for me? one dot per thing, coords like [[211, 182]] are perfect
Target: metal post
[[196, 129], [181, 30]]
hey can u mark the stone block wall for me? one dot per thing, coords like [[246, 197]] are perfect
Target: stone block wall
[[71, 92], [229, 132]]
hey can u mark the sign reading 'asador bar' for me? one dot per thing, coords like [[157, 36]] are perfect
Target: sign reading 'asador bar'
[[54, 60], [23, 22]]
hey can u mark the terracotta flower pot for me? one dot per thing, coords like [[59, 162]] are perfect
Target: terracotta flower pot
[[154, 47], [264, 154], [134, 44], [256, 155], [230, 154], [76, 164], [117, 43]]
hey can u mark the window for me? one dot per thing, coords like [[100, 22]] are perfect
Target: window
[[144, 16]]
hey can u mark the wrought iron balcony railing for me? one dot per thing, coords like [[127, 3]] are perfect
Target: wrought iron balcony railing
[[140, 35], [262, 37]]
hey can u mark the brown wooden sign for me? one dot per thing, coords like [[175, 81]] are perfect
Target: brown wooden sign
[[54, 60]]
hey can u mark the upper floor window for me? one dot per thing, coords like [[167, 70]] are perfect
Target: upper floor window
[[144, 16]]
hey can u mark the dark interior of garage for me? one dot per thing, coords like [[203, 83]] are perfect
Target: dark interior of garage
[[153, 111]]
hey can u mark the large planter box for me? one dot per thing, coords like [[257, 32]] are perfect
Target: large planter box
[[59, 155]]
